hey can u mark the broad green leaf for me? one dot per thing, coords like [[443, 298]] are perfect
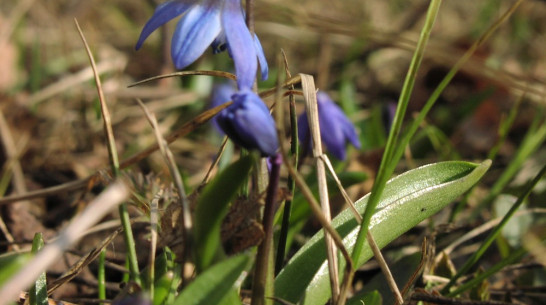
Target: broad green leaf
[[301, 212], [214, 284], [406, 201], [38, 292], [212, 207]]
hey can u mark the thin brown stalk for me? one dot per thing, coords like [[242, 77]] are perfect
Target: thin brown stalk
[[317, 212], [154, 217], [371, 241], [12, 156], [309, 93], [215, 162], [107, 119], [177, 178], [186, 73], [313, 204]]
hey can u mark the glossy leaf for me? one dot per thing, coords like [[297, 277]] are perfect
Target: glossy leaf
[[406, 201], [214, 284], [212, 207]]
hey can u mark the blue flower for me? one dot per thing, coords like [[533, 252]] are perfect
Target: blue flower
[[217, 23], [335, 128], [248, 123], [221, 94]]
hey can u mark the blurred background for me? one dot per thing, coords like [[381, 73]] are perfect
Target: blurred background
[[358, 51]]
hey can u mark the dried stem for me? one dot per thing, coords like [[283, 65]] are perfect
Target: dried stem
[[312, 114]]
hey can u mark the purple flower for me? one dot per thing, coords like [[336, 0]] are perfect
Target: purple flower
[[217, 23], [248, 123], [335, 128], [221, 94]]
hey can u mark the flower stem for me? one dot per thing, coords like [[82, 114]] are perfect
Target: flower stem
[[250, 16], [263, 274], [294, 150]]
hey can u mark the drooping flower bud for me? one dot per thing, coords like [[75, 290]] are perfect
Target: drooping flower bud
[[248, 123]]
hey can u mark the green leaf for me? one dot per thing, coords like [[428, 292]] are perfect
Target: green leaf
[[402, 271], [212, 207], [406, 201], [38, 291], [214, 284], [369, 298], [11, 263]]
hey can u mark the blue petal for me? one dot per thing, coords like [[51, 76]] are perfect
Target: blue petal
[[261, 58], [350, 133], [248, 123], [240, 43], [220, 94], [163, 14], [304, 133], [331, 131], [195, 32]]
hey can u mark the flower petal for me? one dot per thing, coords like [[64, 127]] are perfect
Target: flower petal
[[331, 131], [248, 123], [240, 43], [221, 94], [304, 133], [335, 128], [261, 58], [163, 14], [195, 32]]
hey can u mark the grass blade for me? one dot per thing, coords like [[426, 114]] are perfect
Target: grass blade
[[38, 291], [214, 284]]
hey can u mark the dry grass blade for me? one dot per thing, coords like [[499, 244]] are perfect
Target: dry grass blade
[[100, 206], [81, 263], [371, 241], [186, 73], [214, 163], [65, 187], [313, 204], [93, 179], [287, 84], [103, 106], [317, 212], [15, 166], [154, 217], [175, 174], [182, 131], [311, 108], [117, 63]]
